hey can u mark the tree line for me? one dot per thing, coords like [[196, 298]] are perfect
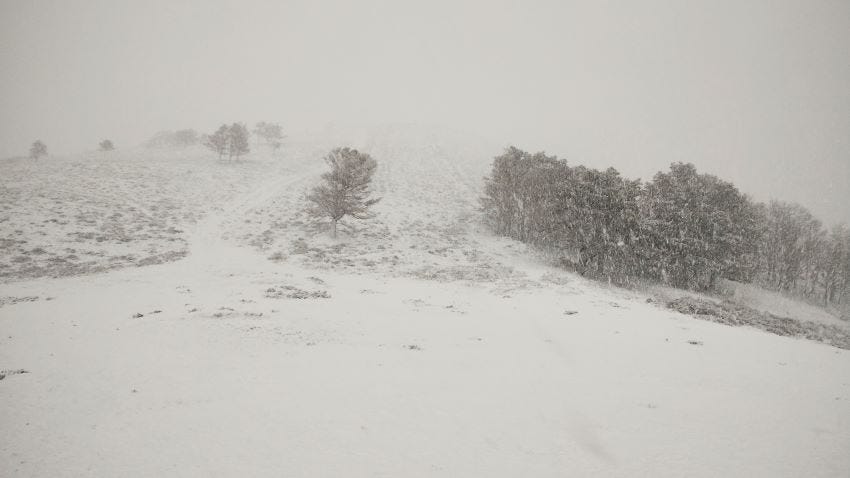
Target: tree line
[[682, 228], [233, 139], [227, 139]]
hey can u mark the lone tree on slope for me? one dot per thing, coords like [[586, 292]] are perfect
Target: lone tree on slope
[[345, 188], [238, 136], [106, 145], [219, 140], [38, 149]]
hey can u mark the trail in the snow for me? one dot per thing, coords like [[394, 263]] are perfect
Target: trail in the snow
[[211, 244]]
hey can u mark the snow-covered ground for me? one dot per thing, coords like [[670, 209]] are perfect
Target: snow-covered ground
[[100, 211], [415, 345]]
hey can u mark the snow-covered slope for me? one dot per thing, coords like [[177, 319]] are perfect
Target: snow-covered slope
[[101, 211], [426, 224], [414, 345]]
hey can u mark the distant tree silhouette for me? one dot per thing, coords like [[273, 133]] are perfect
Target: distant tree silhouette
[[185, 137], [271, 133], [173, 139], [219, 140], [38, 149], [106, 145], [238, 140]]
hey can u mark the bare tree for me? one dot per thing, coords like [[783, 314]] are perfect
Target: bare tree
[[219, 140], [345, 188], [38, 149], [106, 145]]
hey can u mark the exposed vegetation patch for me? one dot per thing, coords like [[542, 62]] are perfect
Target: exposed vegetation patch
[[738, 315], [292, 292], [104, 212], [14, 300], [5, 373], [470, 273]]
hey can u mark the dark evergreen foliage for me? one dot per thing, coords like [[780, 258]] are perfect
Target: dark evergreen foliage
[[682, 228]]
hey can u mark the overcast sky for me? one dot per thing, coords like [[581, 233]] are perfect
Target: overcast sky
[[757, 92]]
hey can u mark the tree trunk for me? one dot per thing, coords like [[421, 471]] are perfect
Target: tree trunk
[[333, 229]]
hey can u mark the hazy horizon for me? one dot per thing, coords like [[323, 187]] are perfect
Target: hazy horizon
[[754, 92]]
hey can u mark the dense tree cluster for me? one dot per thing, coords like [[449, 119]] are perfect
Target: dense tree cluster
[[232, 140], [798, 255], [681, 228]]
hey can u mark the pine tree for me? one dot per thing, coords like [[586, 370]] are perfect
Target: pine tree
[[345, 188]]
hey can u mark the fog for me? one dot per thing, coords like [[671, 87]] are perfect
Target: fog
[[756, 92]]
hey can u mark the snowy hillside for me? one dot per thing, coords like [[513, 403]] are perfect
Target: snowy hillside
[[99, 211], [415, 344], [426, 225]]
